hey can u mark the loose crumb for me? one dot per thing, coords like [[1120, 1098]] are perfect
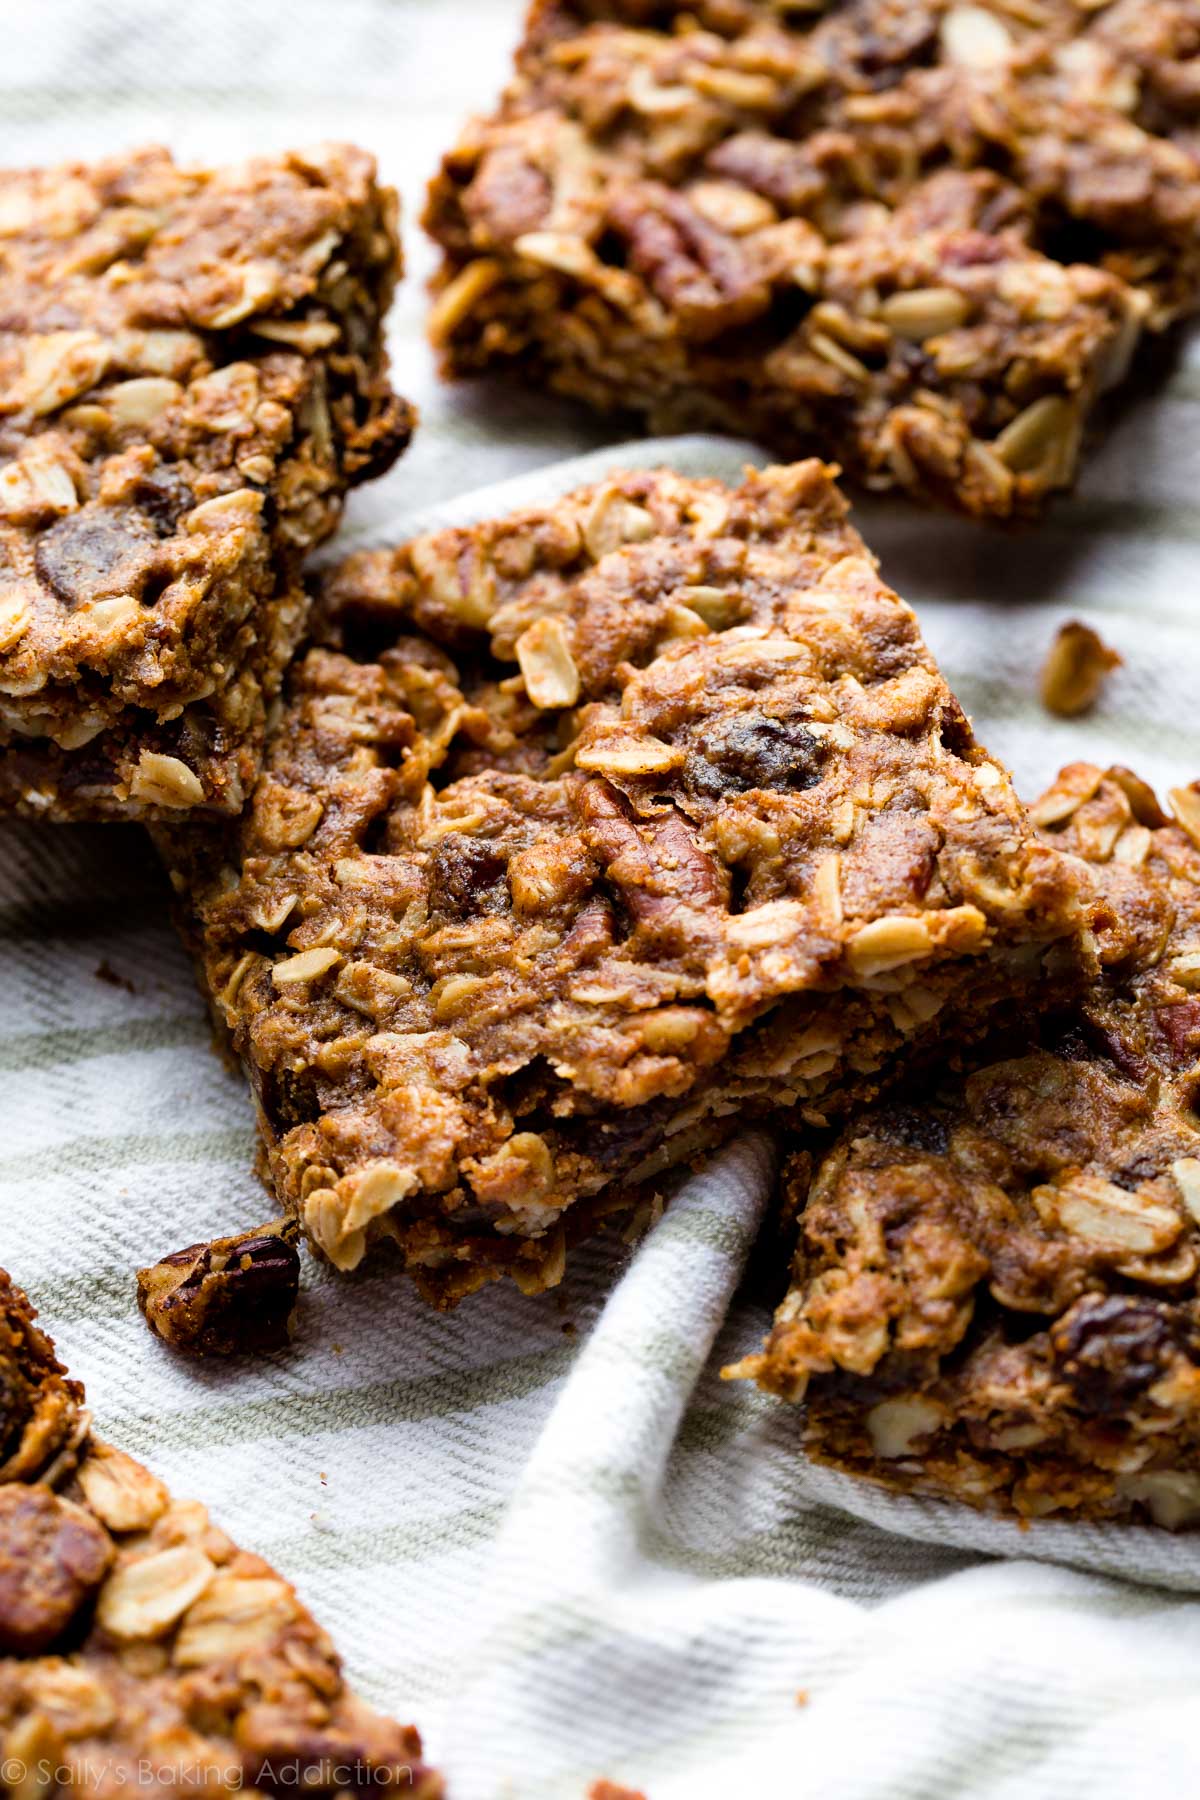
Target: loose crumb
[[105, 972], [1075, 670]]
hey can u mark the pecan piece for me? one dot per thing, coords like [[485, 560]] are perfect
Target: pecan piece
[[509, 196], [782, 172], [233, 1295], [666, 880], [1078, 664], [53, 1557], [707, 279]]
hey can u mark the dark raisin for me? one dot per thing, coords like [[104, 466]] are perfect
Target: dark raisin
[[14, 1406], [1110, 1348], [954, 728], [164, 495], [467, 874], [913, 1128], [287, 1098], [740, 753]]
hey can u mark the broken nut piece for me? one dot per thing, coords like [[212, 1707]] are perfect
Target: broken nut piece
[[1076, 669], [53, 1556], [229, 1297]]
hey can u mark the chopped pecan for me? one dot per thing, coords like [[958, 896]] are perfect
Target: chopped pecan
[[780, 171], [53, 1557], [707, 279], [656, 864]]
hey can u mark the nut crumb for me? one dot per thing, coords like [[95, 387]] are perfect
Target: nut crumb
[[1075, 670]]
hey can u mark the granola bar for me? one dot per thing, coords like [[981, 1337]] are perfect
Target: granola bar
[[139, 1646], [920, 237], [669, 816], [191, 374], [995, 1293]]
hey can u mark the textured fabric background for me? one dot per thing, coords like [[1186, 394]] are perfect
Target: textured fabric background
[[545, 1529]]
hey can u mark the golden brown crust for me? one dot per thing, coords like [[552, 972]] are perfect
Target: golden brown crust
[[138, 1645], [694, 827], [191, 374], [922, 238], [995, 1291]]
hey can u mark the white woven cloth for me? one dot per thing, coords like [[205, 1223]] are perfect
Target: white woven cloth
[[545, 1529]]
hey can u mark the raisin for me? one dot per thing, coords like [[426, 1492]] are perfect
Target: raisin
[[743, 753], [14, 1406], [467, 874], [914, 1128], [1110, 1348]]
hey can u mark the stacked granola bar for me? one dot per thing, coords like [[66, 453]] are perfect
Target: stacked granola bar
[[191, 375], [667, 818], [919, 235], [139, 1646], [994, 1297]]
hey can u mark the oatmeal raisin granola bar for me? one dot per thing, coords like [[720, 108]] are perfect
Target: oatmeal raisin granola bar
[[669, 816], [191, 375], [995, 1296], [918, 235], [139, 1647]]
